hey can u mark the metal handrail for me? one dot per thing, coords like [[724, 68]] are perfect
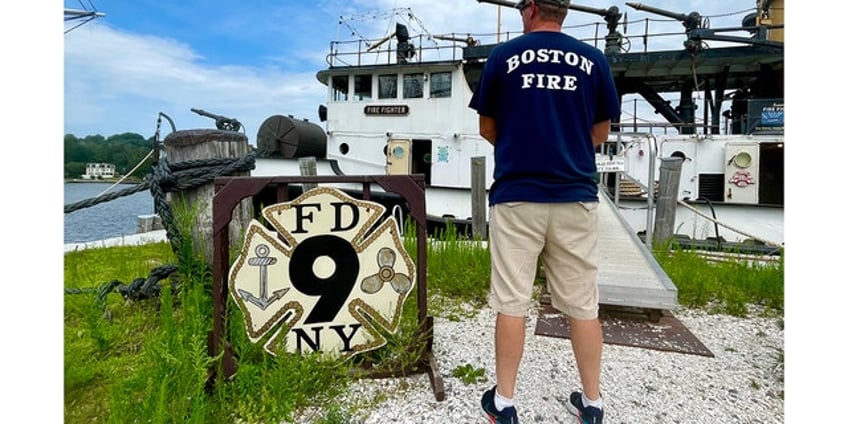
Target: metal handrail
[[339, 51], [652, 160], [597, 37]]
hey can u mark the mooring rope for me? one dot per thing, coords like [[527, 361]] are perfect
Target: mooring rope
[[769, 243], [139, 289], [135, 168], [188, 175], [165, 178], [87, 203]]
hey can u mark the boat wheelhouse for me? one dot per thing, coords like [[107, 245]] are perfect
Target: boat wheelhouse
[[399, 105]]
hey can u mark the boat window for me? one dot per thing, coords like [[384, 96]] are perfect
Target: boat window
[[340, 88], [362, 87], [387, 86], [413, 86], [440, 84]]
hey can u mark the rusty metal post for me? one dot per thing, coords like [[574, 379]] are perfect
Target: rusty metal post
[[667, 199]]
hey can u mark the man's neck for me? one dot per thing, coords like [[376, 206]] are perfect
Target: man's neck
[[546, 26]]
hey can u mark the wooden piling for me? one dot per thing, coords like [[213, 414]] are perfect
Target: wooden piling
[[478, 198], [205, 144], [308, 167]]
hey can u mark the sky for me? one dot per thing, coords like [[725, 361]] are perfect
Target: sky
[[251, 59]]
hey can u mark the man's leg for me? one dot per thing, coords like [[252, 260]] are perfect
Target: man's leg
[[515, 239], [570, 260], [509, 347], [587, 342]]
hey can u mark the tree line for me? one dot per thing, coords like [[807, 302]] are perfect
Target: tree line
[[125, 151]]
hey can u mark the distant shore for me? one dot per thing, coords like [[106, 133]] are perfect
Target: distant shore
[[137, 239]]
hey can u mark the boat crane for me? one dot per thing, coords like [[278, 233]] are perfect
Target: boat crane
[[615, 42], [698, 31]]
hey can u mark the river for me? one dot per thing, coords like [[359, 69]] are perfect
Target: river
[[113, 218]]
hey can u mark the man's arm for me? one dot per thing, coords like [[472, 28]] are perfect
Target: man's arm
[[600, 132], [488, 129]]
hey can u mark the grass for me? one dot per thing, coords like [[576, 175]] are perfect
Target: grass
[[730, 287], [457, 273], [103, 343], [146, 360], [468, 374]]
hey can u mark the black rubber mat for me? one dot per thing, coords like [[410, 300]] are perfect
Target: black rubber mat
[[629, 327]]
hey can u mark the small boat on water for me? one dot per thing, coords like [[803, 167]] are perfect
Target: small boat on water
[[399, 105]]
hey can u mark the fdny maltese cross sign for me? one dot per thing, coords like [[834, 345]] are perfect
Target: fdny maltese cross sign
[[325, 281]]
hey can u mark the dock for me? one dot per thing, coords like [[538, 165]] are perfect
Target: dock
[[628, 274]]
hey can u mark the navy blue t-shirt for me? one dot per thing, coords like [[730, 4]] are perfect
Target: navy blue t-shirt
[[545, 90]]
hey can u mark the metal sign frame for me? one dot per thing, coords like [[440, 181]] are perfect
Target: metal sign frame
[[230, 191]]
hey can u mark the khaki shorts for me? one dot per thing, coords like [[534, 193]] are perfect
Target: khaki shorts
[[565, 236]]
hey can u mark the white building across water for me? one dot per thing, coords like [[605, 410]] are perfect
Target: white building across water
[[99, 170]]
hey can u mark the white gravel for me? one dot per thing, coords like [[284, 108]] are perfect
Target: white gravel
[[743, 383]]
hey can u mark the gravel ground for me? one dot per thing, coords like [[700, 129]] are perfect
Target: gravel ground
[[743, 383]]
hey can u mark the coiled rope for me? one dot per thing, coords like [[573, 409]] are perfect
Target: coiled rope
[[139, 289]]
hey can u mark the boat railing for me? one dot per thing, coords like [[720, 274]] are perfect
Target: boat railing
[[428, 48], [648, 34], [667, 128]]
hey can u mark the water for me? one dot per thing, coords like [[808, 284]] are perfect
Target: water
[[113, 218]]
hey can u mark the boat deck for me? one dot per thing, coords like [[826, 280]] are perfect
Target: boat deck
[[628, 274]]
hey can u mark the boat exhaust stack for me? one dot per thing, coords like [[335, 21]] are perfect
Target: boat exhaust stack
[[405, 49]]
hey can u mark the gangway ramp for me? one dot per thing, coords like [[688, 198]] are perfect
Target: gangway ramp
[[628, 273]]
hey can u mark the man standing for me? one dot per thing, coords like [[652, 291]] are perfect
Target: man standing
[[545, 101]]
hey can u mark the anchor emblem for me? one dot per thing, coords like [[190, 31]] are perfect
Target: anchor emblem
[[386, 260], [262, 260]]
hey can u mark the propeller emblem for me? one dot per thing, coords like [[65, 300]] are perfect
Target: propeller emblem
[[374, 283]]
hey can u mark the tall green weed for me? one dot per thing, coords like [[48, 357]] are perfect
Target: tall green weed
[[731, 286]]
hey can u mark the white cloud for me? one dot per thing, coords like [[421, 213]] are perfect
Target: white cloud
[[118, 82]]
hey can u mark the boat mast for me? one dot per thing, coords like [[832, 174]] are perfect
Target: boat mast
[[77, 13], [80, 14], [499, 3], [499, 24]]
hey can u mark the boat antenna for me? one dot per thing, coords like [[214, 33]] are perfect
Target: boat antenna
[[413, 18], [82, 16], [404, 13], [345, 20]]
